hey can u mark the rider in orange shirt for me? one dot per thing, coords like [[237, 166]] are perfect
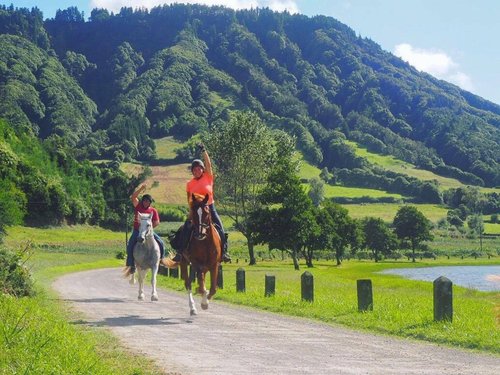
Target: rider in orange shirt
[[203, 183]]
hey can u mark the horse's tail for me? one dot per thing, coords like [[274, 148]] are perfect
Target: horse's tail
[[127, 273], [169, 263]]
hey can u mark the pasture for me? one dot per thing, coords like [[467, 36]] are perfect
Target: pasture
[[401, 307], [391, 163]]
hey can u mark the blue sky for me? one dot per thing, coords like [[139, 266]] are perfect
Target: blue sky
[[454, 40]]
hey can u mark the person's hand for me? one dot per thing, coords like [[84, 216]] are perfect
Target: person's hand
[[201, 147]]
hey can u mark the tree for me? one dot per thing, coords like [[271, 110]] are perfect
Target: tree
[[378, 237], [411, 225], [244, 151], [286, 221], [476, 225], [316, 192], [343, 229]]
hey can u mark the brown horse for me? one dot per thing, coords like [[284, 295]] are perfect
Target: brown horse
[[203, 252]]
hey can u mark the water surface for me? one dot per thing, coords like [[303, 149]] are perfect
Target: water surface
[[485, 278]]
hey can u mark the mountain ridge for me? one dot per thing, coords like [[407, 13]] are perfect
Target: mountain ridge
[[178, 69]]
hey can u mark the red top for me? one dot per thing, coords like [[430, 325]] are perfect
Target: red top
[[204, 185], [140, 208]]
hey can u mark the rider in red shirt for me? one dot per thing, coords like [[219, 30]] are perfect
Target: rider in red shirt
[[142, 206]]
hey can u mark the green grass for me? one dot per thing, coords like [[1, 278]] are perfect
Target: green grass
[[391, 163], [42, 335], [165, 147], [387, 211], [401, 307], [308, 171]]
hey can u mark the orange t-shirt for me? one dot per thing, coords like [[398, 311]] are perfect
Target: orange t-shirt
[[204, 185]]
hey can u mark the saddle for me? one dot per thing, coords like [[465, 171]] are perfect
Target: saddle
[[179, 239]]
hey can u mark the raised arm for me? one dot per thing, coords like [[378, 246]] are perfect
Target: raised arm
[[206, 159], [135, 195]]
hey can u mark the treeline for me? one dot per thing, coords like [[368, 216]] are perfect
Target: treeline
[[176, 69], [41, 183]]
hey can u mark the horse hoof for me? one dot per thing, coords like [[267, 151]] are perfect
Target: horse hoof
[[154, 298], [141, 298], [204, 306], [193, 312]]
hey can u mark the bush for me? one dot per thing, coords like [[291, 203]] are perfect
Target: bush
[[15, 278], [121, 254], [172, 214]]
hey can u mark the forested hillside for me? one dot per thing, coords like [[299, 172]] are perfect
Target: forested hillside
[[109, 85]]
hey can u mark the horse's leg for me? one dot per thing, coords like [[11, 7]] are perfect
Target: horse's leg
[[142, 275], [214, 273], [154, 272], [187, 284], [203, 290]]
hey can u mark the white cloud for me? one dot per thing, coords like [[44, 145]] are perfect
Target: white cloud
[[436, 63], [277, 5]]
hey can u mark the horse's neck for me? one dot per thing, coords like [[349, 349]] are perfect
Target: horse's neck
[[149, 238]]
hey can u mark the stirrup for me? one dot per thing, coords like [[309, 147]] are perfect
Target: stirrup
[[226, 258]]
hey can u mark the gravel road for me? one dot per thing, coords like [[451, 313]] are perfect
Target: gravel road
[[232, 340]]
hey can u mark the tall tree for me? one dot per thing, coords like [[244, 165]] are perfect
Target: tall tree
[[287, 219], [411, 225], [378, 237], [343, 229], [244, 151]]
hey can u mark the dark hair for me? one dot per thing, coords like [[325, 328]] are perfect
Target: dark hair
[[147, 197]]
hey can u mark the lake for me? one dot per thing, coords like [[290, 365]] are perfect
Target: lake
[[485, 278]]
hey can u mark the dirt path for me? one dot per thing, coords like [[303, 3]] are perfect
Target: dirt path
[[233, 340]]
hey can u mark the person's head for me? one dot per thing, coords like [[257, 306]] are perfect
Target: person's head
[[197, 168], [146, 200]]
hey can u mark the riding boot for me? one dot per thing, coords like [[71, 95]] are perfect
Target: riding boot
[[225, 256], [184, 241]]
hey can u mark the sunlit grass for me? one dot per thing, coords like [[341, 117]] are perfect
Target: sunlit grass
[[401, 307], [165, 147], [387, 211], [391, 163]]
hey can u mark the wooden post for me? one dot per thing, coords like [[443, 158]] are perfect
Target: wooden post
[[365, 295], [162, 270], [443, 299], [307, 286], [270, 285], [240, 280], [174, 272]]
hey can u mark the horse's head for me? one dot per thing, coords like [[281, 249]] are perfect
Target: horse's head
[[145, 226], [200, 214]]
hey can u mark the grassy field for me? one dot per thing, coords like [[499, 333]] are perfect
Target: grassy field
[[387, 211], [399, 166], [401, 307], [43, 336], [165, 147]]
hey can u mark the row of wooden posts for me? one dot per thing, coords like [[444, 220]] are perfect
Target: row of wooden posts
[[443, 290]]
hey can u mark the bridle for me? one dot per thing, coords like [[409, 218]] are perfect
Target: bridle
[[143, 234], [202, 220]]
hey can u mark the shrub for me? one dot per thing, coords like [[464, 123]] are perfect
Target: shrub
[[172, 214], [15, 278], [121, 254]]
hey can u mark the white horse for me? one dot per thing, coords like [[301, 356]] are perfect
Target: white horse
[[146, 256]]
